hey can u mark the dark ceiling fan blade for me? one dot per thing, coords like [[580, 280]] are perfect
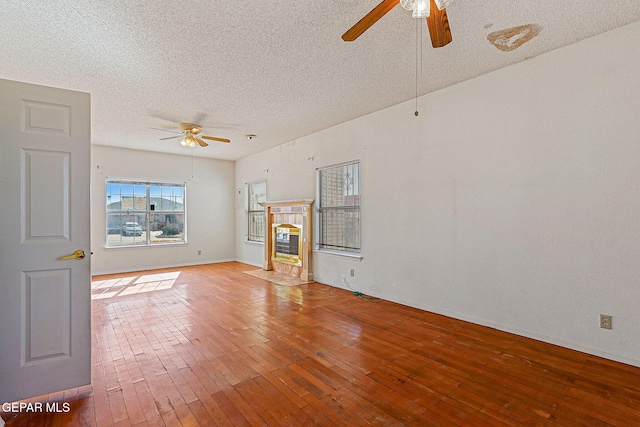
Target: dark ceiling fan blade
[[201, 143], [213, 138], [438, 24], [171, 137], [369, 19]]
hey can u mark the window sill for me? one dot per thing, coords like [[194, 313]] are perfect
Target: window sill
[[353, 255], [253, 242], [144, 246]]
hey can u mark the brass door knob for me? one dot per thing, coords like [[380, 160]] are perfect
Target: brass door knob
[[78, 255]]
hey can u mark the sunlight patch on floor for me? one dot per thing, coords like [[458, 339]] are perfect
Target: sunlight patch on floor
[[103, 289]]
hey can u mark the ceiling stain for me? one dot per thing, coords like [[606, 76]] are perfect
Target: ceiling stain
[[512, 38]]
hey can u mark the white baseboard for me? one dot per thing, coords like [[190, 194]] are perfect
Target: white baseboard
[[157, 267], [511, 330], [537, 337]]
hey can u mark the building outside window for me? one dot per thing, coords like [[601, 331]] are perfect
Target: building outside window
[[145, 213], [256, 193], [338, 193]]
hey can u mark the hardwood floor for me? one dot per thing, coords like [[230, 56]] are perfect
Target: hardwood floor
[[209, 345]]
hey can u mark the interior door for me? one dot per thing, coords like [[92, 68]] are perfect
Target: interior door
[[45, 301]]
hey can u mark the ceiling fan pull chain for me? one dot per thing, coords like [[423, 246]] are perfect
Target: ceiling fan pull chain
[[417, 44]]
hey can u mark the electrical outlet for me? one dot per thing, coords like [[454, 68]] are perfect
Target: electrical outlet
[[605, 321], [199, 252], [353, 272], [344, 278]]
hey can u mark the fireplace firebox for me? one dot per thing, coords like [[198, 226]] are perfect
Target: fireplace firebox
[[287, 246]]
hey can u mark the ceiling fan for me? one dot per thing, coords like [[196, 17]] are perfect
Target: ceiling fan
[[433, 10], [192, 135]]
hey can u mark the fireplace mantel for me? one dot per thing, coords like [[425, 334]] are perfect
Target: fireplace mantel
[[289, 213]]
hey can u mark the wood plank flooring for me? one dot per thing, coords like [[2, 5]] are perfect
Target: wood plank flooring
[[211, 346]]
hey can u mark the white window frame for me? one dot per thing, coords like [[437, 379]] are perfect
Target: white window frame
[[251, 208], [146, 212], [320, 245]]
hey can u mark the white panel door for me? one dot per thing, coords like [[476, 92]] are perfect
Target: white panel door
[[45, 301]]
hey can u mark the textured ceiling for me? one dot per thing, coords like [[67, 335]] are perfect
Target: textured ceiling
[[276, 69]]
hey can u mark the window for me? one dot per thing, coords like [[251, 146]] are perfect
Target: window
[[339, 207], [145, 213], [256, 193]]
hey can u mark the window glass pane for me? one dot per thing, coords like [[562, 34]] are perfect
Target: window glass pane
[[166, 227], [256, 226], [114, 222], [340, 186], [165, 201], [140, 190], [132, 206], [133, 197], [155, 194], [126, 197], [340, 229], [339, 207], [126, 229], [257, 194], [126, 189], [171, 199], [113, 197], [352, 178], [178, 195]]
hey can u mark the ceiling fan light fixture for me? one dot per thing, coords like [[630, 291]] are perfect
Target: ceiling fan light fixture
[[189, 141], [421, 9], [442, 4], [408, 4]]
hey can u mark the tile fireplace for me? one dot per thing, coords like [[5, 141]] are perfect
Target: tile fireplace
[[288, 238]]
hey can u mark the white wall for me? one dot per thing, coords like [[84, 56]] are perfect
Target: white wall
[[210, 208], [512, 200]]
